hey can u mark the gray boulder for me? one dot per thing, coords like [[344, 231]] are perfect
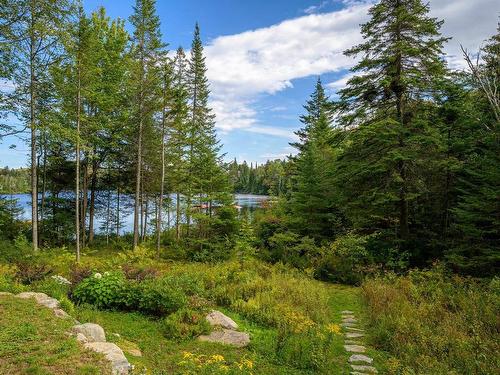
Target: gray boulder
[[41, 299], [114, 354], [216, 318], [93, 332], [227, 337]]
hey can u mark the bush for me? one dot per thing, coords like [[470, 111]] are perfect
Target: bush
[[435, 323], [29, 272], [8, 281], [161, 296], [346, 260], [108, 290], [51, 287], [185, 324]]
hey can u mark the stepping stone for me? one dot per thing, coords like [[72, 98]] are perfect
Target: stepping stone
[[354, 329], [216, 318], [345, 325], [360, 358], [347, 312], [349, 320], [353, 335], [352, 342], [355, 348], [365, 369], [228, 337]]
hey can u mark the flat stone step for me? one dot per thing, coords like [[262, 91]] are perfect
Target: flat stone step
[[347, 312], [354, 348], [364, 369], [228, 337], [353, 335], [349, 320], [360, 358], [354, 329], [353, 342], [345, 325]]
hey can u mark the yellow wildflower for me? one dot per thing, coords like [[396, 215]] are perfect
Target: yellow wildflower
[[333, 328], [217, 358]]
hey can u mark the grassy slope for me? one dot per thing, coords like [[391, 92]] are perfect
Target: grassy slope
[[33, 341], [163, 355]]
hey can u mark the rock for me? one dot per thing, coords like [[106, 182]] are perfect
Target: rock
[[216, 318], [347, 312], [345, 325], [228, 337], [355, 348], [360, 358], [80, 337], [354, 329], [353, 342], [41, 299], [61, 313], [5, 294], [349, 320], [364, 369], [93, 332], [114, 354], [353, 335]]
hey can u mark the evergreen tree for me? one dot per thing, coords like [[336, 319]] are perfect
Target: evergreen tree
[[147, 52], [312, 206], [36, 33], [384, 107]]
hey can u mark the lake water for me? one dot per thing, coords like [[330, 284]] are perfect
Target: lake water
[[246, 204]]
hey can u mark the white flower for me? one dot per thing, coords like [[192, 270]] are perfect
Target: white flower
[[106, 273], [61, 280], [97, 275]]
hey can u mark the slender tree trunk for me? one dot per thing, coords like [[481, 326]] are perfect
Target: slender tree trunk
[[93, 185], [84, 205], [117, 212], [162, 179], [77, 172], [177, 216], [146, 211], [44, 188], [34, 182], [108, 216]]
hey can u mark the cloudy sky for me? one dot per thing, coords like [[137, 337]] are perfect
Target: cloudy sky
[[264, 56]]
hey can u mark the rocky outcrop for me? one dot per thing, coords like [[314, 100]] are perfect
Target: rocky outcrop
[[41, 299], [225, 331], [92, 332], [91, 335], [228, 337], [113, 354], [218, 319]]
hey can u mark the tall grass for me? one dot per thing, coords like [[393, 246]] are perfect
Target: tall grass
[[434, 323]]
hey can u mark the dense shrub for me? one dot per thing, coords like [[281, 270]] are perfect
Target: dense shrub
[[185, 324], [8, 282], [108, 290], [160, 297], [346, 260], [434, 323], [52, 287], [29, 272]]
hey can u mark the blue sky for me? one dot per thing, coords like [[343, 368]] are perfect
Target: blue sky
[[263, 57]]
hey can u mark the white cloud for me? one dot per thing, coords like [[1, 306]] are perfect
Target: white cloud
[[271, 130], [264, 61], [316, 8], [244, 67]]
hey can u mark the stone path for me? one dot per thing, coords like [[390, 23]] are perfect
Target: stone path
[[359, 362]]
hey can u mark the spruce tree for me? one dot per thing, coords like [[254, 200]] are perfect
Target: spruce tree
[[383, 107], [312, 207], [146, 77], [36, 39]]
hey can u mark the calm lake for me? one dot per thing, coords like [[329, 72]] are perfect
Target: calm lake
[[246, 204]]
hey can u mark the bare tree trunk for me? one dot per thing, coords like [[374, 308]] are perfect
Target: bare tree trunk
[[162, 180], [117, 213], [108, 216], [34, 182], [177, 216], [44, 188], [145, 226], [77, 172], [93, 185], [84, 205]]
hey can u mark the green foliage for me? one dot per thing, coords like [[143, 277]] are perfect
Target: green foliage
[[434, 323], [185, 324], [108, 290], [346, 260]]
